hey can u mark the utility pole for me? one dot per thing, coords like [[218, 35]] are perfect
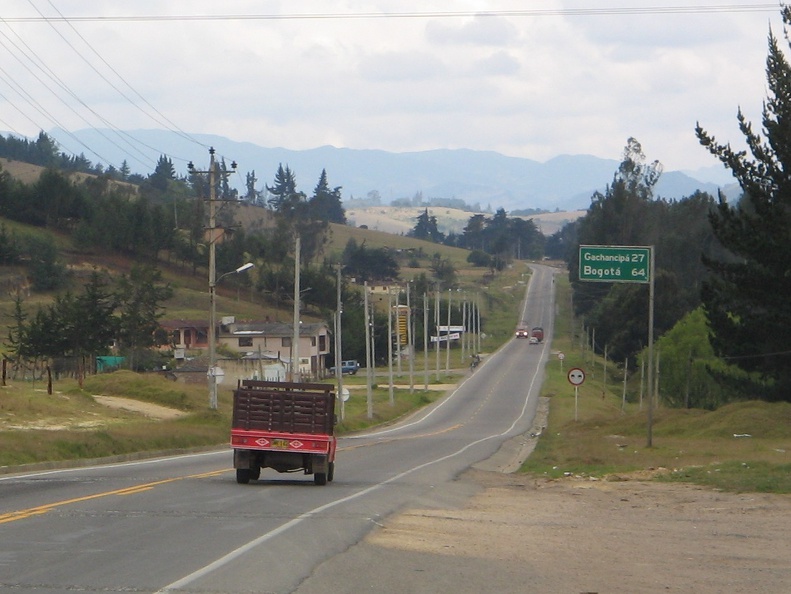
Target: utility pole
[[447, 334], [425, 342], [478, 323], [390, 344], [295, 374], [338, 344], [464, 328], [212, 239], [436, 326], [410, 339], [398, 330], [369, 391]]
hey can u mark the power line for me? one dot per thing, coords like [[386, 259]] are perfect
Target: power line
[[162, 120], [529, 13], [34, 59], [21, 50]]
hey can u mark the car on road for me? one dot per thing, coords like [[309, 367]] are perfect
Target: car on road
[[350, 366], [522, 332]]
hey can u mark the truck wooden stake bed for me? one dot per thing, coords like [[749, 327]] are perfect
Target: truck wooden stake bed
[[285, 426]]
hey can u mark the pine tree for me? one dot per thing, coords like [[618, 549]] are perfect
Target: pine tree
[[325, 204], [163, 173], [283, 190], [747, 298], [426, 228]]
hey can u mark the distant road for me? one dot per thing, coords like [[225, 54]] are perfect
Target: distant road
[[182, 524]]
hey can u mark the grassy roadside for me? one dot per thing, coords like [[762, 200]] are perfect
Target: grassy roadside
[[742, 447]]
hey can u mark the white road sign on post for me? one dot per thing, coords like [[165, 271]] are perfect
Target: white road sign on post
[[576, 377]]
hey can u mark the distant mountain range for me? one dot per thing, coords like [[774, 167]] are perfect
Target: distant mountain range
[[489, 179]]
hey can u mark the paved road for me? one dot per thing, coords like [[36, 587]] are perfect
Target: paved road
[[182, 524]]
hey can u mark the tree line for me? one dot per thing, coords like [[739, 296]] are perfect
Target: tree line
[[493, 242]]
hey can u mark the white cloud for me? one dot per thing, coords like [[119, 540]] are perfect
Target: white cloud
[[530, 86], [480, 30]]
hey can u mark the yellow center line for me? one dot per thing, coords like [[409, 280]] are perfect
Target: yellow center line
[[42, 509]]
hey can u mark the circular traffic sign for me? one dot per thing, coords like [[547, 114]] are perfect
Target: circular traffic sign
[[576, 376], [561, 356]]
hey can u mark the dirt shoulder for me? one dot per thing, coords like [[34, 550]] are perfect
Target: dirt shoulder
[[573, 535], [576, 535]]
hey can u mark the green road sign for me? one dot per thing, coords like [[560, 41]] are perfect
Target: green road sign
[[615, 264]]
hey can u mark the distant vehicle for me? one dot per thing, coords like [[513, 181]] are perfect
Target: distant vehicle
[[522, 332], [351, 366], [538, 333]]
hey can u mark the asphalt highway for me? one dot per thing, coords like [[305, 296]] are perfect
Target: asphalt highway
[[183, 524]]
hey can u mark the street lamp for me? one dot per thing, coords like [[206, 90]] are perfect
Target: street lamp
[[212, 373]]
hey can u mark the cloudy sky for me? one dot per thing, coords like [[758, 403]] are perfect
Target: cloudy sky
[[532, 79]]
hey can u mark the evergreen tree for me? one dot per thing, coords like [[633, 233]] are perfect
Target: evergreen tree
[[139, 298], [17, 343], [251, 195], [426, 228], [46, 272], [473, 233], [283, 190], [325, 204], [747, 299], [369, 264], [163, 174]]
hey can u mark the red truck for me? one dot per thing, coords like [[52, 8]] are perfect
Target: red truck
[[285, 426], [536, 334]]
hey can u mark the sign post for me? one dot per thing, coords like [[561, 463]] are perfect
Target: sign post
[[576, 377], [625, 264]]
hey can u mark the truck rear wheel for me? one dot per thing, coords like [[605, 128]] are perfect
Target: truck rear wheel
[[320, 478], [242, 476], [255, 473]]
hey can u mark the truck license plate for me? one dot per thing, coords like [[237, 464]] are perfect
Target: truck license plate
[[280, 444]]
